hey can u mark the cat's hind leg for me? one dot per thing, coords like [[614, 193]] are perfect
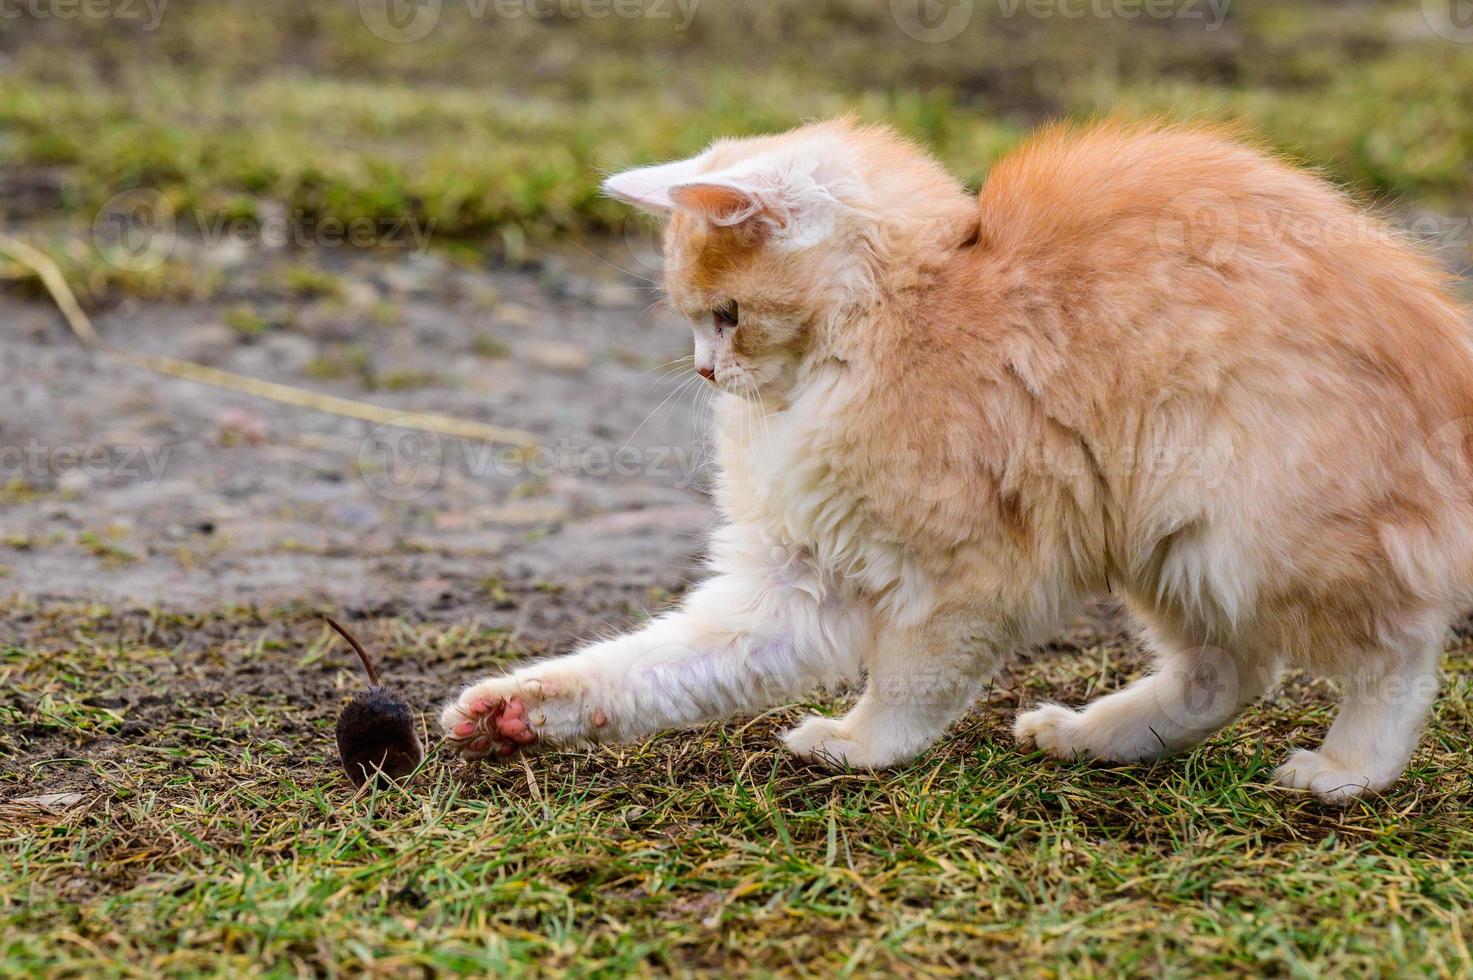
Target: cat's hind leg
[[1385, 704], [1194, 691]]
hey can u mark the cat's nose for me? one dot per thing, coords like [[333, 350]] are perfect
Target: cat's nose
[[707, 371]]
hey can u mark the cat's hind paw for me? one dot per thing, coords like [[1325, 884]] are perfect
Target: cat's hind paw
[[1052, 728], [1322, 776], [827, 742]]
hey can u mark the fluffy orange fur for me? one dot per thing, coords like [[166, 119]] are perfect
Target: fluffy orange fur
[[1147, 359]]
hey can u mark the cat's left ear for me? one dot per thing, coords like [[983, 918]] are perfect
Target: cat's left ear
[[769, 198], [724, 198], [648, 188], [728, 199], [764, 195]]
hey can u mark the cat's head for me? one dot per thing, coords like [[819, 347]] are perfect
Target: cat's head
[[774, 243]]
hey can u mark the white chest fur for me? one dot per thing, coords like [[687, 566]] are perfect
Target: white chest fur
[[782, 477]]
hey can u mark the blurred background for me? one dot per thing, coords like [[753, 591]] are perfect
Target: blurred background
[[395, 201]]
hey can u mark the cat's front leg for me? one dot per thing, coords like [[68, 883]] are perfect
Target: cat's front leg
[[920, 680], [743, 641]]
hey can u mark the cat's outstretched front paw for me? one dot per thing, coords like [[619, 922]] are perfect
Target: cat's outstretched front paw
[[536, 707], [494, 717]]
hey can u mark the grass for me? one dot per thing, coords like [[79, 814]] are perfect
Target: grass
[[216, 834]]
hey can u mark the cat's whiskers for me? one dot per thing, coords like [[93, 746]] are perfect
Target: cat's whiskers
[[678, 389], [665, 364], [614, 265], [679, 365], [761, 412]]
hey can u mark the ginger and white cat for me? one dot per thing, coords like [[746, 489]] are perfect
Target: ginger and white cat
[[1145, 359]]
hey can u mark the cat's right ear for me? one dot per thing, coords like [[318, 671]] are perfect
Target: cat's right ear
[[648, 188]]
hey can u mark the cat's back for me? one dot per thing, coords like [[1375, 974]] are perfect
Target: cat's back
[[1168, 191], [1125, 201], [1168, 257]]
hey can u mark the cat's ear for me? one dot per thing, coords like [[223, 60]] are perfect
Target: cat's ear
[[726, 200], [762, 195], [648, 188], [772, 195]]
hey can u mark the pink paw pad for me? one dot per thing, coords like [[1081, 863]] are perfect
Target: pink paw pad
[[513, 726], [492, 726]]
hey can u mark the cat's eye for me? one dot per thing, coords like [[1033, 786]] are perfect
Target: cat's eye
[[725, 315]]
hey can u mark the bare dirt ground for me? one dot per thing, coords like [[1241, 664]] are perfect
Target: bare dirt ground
[[128, 487]]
